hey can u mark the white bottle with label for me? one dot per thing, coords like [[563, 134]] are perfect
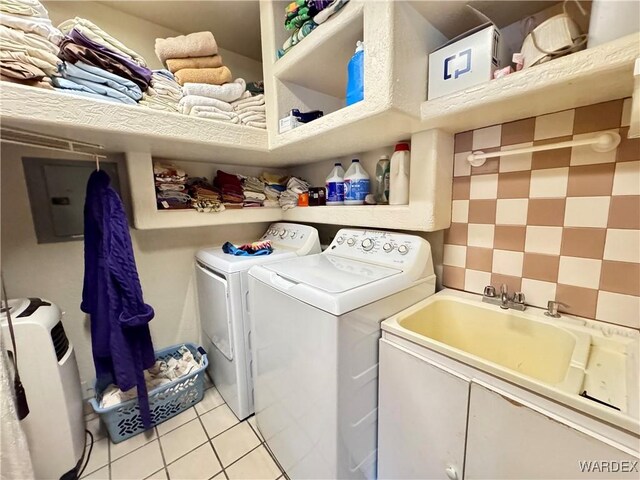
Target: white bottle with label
[[399, 175], [335, 186], [356, 184]]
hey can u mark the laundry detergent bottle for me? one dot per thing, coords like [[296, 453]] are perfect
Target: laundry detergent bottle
[[335, 185], [356, 184], [355, 76], [399, 175]]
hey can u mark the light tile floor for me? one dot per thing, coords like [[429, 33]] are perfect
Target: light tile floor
[[202, 443]]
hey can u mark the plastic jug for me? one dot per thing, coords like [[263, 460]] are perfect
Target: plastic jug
[[355, 76], [382, 180], [335, 186], [399, 175], [356, 184]]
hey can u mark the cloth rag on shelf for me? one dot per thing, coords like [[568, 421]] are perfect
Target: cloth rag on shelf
[[161, 373], [248, 249], [175, 64], [212, 76], [199, 44]]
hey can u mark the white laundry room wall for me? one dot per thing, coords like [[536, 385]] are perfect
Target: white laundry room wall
[[55, 270], [139, 34]]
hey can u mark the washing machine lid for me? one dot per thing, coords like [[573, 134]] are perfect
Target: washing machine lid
[[215, 258], [331, 274]]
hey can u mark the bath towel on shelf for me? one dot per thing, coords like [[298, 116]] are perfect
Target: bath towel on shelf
[[175, 64], [199, 44], [213, 76], [189, 101], [214, 114], [228, 92]]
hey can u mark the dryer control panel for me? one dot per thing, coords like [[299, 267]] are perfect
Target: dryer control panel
[[302, 238], [396, 250]]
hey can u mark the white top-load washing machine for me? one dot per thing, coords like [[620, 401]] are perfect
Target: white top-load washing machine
[[224, 316], [316, 325]]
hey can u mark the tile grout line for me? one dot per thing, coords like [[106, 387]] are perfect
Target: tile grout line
[[210, 440], [164, 461]]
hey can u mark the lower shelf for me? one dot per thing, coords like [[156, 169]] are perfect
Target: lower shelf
[[191, 218]]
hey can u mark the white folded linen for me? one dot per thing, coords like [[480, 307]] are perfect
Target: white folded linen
[[189, 101], [39, 26], [227, 92], [249, 102]]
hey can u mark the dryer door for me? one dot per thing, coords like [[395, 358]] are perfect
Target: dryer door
[[215, 311]]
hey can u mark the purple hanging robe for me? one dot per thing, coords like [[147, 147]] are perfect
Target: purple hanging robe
[[112, 295]]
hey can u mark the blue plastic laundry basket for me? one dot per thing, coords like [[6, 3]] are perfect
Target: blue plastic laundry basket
[[123, 420]]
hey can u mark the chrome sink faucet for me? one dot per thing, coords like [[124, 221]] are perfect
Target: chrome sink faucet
[[504, 301]]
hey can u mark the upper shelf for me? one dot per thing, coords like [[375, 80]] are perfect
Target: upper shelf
[[121, 127], [591, 76], [319, 61]]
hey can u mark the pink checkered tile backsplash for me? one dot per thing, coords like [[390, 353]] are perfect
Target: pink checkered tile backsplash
[[557, 225]]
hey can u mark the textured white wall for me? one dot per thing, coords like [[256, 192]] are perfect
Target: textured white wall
[[55, 271], [140, 35]]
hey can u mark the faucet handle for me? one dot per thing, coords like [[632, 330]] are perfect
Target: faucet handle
[[489, 291], [552, 308], [518, 297]]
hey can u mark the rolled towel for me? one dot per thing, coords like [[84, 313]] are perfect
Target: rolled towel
[[199, 44], [175, 64], [189, 101], [212, 76], [227, 92]]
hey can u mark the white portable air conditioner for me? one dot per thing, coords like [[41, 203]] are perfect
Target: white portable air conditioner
[[47, 366]]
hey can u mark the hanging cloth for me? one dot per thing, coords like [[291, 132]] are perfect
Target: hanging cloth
[[112, 295]]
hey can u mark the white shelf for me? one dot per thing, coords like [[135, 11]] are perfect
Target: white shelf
[[191, 218], [320, 60], [131, 128], [594, 75]]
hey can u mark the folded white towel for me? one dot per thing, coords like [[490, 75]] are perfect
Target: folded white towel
[[256, 108], [248, 102], [257, 124], [227, 92], [215, 115], [198, 109], [189, 101], [251, 116]]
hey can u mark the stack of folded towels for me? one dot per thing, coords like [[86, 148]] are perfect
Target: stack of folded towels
[[100, 66], [170, 186], [253, 190], [193, 58], [28, 43], [303, 16], [230, 186], [204, 196], [274, 186], [164, 93], [295, 186]]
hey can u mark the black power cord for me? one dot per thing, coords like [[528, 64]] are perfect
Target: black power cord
[[84, 450]]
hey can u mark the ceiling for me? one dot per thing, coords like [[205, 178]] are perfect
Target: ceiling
[[453, 17], [234, 23]]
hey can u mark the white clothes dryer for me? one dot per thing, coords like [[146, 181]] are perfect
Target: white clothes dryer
[[315, 331], [223, 289]]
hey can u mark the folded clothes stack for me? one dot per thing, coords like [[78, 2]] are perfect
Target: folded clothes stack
[[204, 196], [303, 16], [164, 93], [28, 43], [230, 186], [117, 73], [251, 110], [193, 58], [295, 186], [170, 186], [212, 101], [274, 185], [253, 190]]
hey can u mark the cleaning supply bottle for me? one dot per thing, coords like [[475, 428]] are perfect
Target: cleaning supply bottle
[[356, 184], [355, 76], [335, 185], [399, 175], [382, 180]]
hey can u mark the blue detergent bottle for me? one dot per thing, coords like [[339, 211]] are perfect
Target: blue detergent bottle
[[355, 76]]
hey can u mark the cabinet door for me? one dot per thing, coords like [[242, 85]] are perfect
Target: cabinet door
[[506, 439], [422, 417]]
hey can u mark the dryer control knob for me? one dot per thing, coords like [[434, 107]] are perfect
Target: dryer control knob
[[340, 240], [351, 242], [367, 244], [293, 234], [283, 233], [387, 247], [403, 249]]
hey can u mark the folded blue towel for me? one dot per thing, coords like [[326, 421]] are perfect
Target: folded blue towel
[[80, 93], [101, 81], [78, 85]]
